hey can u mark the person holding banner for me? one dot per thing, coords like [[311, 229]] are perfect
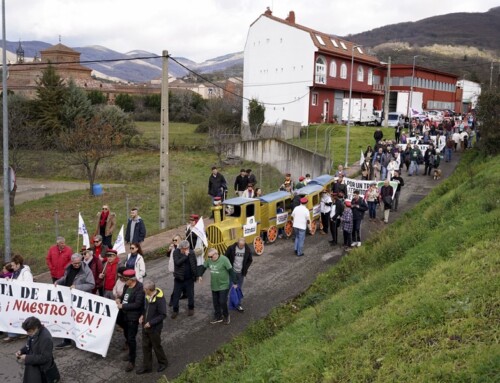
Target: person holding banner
[[95, 265], [131, 304], [191, 236], [37, 354]]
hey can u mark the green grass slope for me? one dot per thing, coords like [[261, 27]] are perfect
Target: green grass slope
[[419, 303]]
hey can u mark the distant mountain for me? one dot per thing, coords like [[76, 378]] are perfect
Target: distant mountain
[[143, 69], [461, 43]]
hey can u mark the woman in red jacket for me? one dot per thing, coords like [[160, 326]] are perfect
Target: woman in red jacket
[[108, 275]]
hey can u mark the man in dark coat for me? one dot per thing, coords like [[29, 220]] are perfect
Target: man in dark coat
[[335, 214], [358, 206], [185, 274], [131, 303], [339, 186], [241, 182], [37, 354], [216, 184], [136, 230], [240, 256], [153, 315]]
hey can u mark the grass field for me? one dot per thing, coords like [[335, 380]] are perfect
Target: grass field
[[180, 134], [419, 303], [330, 140]]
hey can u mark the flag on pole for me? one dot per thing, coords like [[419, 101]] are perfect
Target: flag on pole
[[119, 245], [362, 158], [199, 230], [82, 230]]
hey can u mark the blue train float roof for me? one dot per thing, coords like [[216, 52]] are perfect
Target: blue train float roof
[[309, 189], [321, 180], [239, 201], [275, 196]]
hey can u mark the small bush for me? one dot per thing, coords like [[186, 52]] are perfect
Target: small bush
[[202, 128], [198, 202], [196, 119]]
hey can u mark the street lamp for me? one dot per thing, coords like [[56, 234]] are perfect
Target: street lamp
[[411, 87], [350, 101]]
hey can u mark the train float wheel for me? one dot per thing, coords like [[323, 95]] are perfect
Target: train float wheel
[[258, 245], [272, 234], [313, 227], [289, 229]]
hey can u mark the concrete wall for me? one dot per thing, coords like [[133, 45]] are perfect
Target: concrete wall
[[284, 131], [283, 156]]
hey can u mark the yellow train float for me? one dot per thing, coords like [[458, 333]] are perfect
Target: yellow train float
[[262, 219]]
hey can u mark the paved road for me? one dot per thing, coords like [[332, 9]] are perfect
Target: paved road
[[275, 277]]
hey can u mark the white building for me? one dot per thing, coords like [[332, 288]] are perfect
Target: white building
[[470, 94]]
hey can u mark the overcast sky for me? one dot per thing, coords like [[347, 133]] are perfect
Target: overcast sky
[[204, 29]]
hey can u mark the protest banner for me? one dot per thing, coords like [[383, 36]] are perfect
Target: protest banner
[[364, 185], [86, 318]]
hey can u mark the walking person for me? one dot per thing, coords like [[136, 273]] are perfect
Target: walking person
[[301, 219], [358, 207], [221, 275], [216, 184], [240, 182], [131, 304], [106, 224], [397, 177], [109, 274], [386, 193], [185, 274], [347, 225], [240, 256], [372, 200], [325, 208], [135, 261], [136, 229], [335, 214], [76, 276], [37, 355], [153, 315], [58, 257]]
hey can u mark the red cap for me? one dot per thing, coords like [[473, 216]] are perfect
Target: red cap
[[302, 178], [216, 199], [194, 217], [111, 251], [303, 200], [129, 273], [347, 203]]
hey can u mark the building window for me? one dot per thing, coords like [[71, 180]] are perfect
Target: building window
[[333, 69], [369, 78], [314, 99], [361, 74], [320, 77], [343, 70]]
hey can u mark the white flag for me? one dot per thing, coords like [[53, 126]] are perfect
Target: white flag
[[119, 245], [199, 230], [82, 230], [362, 158]]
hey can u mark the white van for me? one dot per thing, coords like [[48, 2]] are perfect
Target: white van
[[393, 119]]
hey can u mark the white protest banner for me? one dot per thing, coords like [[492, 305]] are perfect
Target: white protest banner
[[86, 318], [94, 320], [316, 210], [82, 230], [363, 186], [422, 148], [281, 218], [361, 158], [199, 230], [119, 245]]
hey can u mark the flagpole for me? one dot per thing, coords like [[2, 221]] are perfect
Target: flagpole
[[78, 234]]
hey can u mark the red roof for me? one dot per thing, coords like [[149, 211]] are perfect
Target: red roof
[[328, 46]]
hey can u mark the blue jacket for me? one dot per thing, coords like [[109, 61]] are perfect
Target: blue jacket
[[139, 231]]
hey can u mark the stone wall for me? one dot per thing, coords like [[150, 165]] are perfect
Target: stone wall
[[283, 156]]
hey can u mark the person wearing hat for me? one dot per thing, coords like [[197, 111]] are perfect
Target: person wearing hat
[[301, 219], [301, 183], [185, 274], [77, 275], [335, 215], [358, 207], [109, 273], [131, 304], [325, 208], [347, 225]]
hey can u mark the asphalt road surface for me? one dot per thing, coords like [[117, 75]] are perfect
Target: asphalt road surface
[[275, 277]]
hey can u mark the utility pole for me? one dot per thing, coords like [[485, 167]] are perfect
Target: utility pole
[[387, 93], [6, 170], [491, 75], [164, 192]]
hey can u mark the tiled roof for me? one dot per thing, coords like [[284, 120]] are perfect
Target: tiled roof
[[60, 48], [329, 43]]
